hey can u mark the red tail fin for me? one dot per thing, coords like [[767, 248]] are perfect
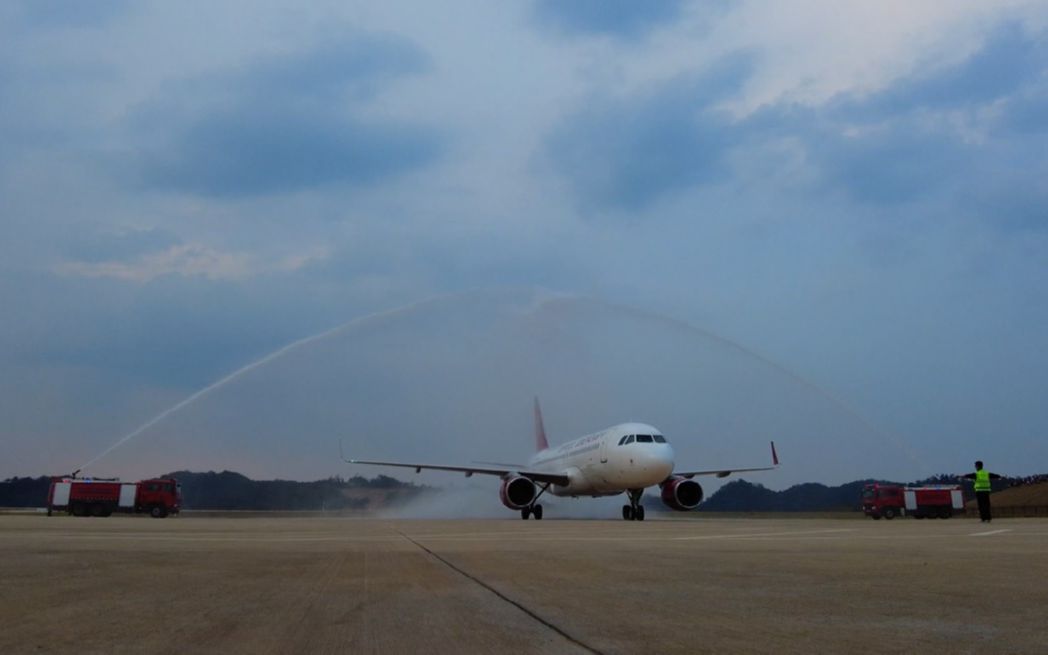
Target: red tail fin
[[540, 429]]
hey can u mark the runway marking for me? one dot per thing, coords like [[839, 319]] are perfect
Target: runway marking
[[987, 534], [763, 534], [552, 626]]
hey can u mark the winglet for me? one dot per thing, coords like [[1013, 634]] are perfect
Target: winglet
[[774, 455], [540, 430]]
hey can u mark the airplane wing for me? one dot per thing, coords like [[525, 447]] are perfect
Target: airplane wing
[[537, 476], [723, 473]]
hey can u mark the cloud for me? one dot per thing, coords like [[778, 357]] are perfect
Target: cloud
[[626, 153], [286, 124], [1008, 60], [188, 260], [91, 245], [620, 18]]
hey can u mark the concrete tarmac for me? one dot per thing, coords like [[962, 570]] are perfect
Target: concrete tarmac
[[702, 585]]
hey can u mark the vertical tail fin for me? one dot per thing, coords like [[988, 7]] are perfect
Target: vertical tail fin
[[540, 430]]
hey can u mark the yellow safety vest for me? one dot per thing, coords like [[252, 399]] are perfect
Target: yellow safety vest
[[982, 480]]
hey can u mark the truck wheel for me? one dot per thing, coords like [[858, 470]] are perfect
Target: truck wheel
[[889, 513], [945, 513], [157, 511], [78, 510]]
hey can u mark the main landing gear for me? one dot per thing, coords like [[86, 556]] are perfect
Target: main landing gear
[[634, 511], [534, 509]]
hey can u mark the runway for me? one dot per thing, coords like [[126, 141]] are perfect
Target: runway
[[704, 585]]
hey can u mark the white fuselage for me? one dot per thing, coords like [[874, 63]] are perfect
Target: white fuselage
[[600, 464]]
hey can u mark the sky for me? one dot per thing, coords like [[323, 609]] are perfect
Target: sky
[[835, 213]]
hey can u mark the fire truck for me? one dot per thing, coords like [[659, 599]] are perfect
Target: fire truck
[[101, 496], [891, 500]]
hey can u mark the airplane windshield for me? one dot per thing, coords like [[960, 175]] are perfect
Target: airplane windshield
[[644, 438], [659, 438], [629, 439]]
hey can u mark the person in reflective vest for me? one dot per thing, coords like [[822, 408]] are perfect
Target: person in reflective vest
[[982, 479]]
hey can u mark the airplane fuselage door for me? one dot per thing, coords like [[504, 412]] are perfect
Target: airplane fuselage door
[[603, 450]]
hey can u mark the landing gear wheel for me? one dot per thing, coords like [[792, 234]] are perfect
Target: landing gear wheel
[[627, 513], [537, 511], [525, 513], [638, 513]]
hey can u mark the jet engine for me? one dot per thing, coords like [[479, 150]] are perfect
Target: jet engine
[[681, 494], [517, 492]]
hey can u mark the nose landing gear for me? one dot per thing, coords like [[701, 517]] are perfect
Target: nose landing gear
[[634, 511]]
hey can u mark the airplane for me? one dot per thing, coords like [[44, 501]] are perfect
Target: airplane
[[625, 458]]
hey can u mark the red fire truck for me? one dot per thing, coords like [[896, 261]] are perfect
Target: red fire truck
[[102, 497], [891, 500]]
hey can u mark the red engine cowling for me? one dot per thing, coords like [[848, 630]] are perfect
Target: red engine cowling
[[517, 493], [681, 494]]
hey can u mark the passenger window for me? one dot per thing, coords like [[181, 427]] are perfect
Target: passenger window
[[643, 438], [659, 438], [629, 439]]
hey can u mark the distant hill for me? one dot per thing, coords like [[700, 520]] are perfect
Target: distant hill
[[743, 496], [1025, 500]]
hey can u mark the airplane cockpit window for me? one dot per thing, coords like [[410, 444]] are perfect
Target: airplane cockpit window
[[644, 438], [659, 438], [623, 440], [629, 439]]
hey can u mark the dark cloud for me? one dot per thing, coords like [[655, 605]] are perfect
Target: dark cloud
[[937, 136], [899, 163], [941, 135], [285, 124], [622, 18], [625, 154], [259, 151], [1009, 60]]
